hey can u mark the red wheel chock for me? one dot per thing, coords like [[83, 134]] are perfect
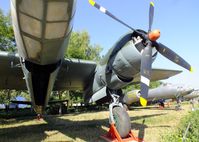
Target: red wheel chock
[[161, 107], [113, 136]]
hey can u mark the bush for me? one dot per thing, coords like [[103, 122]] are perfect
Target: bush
[[192, 133]]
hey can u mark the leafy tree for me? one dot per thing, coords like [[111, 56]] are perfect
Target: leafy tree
[[7, 40], [81, 48], [4, 97], [131, 87], [155, 84], [23, 94], [7, 95]]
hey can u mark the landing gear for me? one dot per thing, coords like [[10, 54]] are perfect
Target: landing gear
[[161, 105], [178, 106], [119, 117], [192, 102], [122, 121], [120, 124]]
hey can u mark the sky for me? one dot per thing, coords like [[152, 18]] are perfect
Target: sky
[[178, 21]]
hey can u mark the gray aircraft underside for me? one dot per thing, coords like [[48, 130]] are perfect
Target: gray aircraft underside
[[167, 91], [42, 30]]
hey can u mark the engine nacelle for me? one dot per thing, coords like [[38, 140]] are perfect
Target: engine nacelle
[[131, 97], [119, 66]]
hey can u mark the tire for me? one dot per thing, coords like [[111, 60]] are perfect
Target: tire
[[122, 121]]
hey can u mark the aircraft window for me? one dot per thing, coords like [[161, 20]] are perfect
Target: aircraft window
[[57, 11], [32, 25], [32, 7], [33, 47], [55, 30]]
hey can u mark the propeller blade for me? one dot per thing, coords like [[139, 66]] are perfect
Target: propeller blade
[[151, 14], [172, 56], [146, 62], [105, 11]]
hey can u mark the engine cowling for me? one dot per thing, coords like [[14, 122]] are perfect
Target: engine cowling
[[119, 66], [131, 97]]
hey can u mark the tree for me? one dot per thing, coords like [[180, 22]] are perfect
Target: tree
[[7, 40], [80, 47], [153, 84]]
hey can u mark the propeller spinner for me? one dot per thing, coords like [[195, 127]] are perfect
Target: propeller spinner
[[146, 60]]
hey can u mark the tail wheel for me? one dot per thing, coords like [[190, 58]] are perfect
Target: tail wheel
[[122, 121]]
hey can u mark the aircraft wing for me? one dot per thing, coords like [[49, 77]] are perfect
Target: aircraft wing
[[159, 74], [74, 74], [29, 102], [11, 75], [71, 76]]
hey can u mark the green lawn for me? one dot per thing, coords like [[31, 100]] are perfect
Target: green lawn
[[89, 126]]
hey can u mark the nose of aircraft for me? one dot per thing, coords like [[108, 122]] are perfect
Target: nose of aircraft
[[187, 90]]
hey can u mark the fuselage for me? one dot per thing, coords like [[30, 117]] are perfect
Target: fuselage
[[42, 31], [192, 95], [162, 92]]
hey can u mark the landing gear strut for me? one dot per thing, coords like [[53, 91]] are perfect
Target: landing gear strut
[[120, 124], [178, 106], [119, 116]]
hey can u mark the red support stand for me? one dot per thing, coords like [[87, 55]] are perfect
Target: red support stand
[[39, 117], [114, 136], [161, 107]]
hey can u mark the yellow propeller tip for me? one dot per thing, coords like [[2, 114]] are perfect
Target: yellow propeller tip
[[191, 69], [143, 101], [92, 2], [151, 3]]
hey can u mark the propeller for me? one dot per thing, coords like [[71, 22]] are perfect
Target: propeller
[[150, 39], [151, 14]]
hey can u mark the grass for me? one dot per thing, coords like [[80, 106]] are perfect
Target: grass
[[80, 127], [188, 125]]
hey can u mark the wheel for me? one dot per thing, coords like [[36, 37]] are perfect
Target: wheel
[[122, 121]]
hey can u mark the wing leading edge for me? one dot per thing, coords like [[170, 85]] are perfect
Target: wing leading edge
[[159, 74], [73, 74]]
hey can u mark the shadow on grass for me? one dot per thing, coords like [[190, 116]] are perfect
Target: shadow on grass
[[146, 116], [152, 108], [70, 130], [84, 130]]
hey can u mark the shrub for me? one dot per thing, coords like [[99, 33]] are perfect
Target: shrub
[[192, 133]]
